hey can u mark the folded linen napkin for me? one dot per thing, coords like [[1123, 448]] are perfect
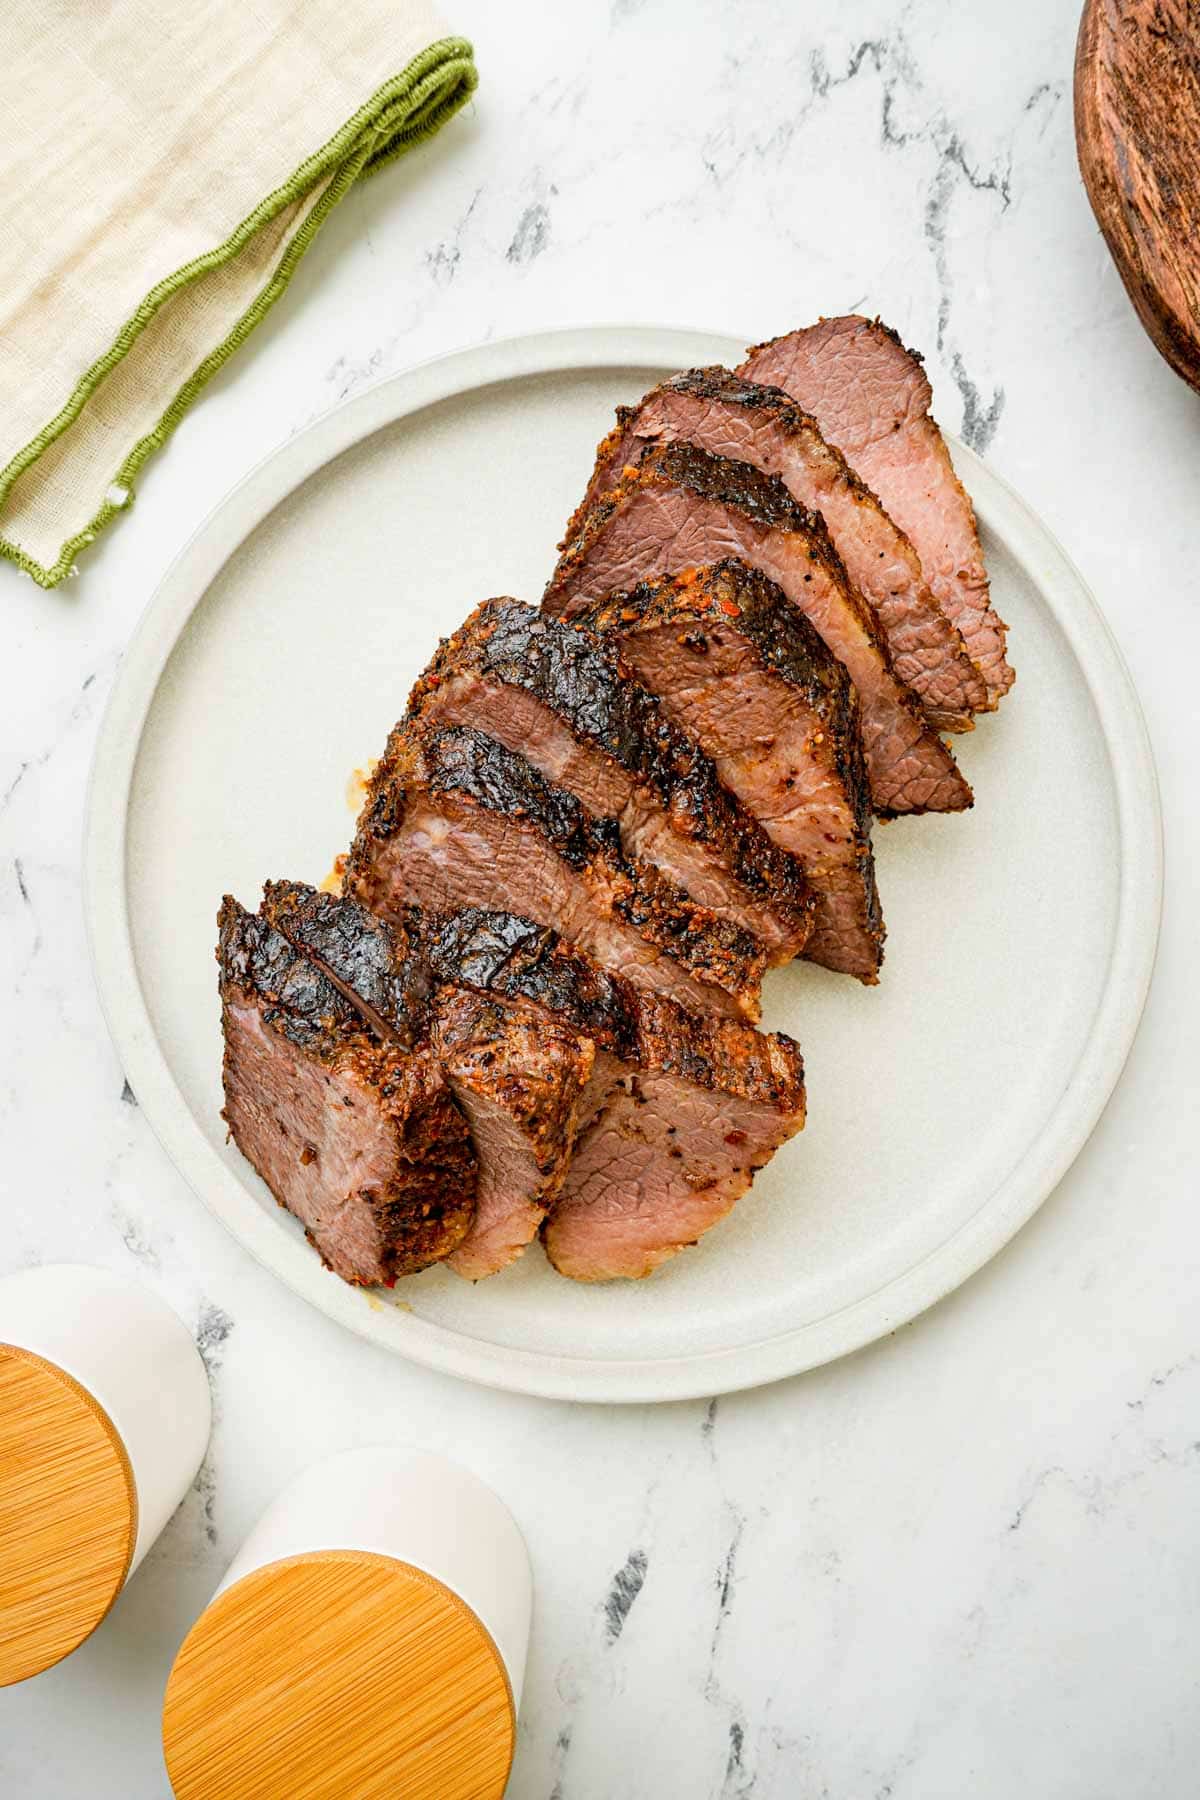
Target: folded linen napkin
[[165, 165]]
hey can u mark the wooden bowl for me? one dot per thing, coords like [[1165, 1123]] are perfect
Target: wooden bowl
[[1137, 126]]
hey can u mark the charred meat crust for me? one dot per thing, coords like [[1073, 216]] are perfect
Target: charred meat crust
[[493, 952], [376, 967], [502, 954], [426, 1208], [385, 968], [584, 682], [469, 766], [260, 963], [680, 468], [518, 1073], [717, 383], [509, 955], [460, 760], [499, 952], [763, 497]]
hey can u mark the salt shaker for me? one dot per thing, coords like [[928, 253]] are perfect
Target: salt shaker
[[104, 1420], [369, 1639]]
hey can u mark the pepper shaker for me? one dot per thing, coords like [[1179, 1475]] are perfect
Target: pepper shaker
[[369, 1639], [104, 1420]]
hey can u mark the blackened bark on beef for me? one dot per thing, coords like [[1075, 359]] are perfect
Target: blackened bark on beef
[[498, 953], [418, 951], [502, 953], [399, 972], [700, 1103], [514, 956], [763, 498], [363, 1141], [377, 967], [570, 706], [526, 1080], [466, 818], [470, 763], [255, 957]]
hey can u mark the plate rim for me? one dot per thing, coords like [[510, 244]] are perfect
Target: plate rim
[[904, 1296]]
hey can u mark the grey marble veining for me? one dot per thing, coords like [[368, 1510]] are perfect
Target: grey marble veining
[[963, 1561]]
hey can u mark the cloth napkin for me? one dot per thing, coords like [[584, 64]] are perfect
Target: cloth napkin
[[165, 164]]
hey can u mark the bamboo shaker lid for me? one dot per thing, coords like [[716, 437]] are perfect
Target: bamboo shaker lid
[[68, 1514], [338, 1673]]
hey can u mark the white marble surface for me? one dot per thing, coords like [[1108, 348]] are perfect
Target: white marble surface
[[964, 1561]]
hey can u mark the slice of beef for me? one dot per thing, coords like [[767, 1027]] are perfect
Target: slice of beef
[[690, 1106], [380, 969], [570, 707], [675, 1148], [525, 1079], [527, 1082], [743, 670], [453, 818], [732, 417], [361, 1140], [703, 1103], [681, 508], [871, 398]]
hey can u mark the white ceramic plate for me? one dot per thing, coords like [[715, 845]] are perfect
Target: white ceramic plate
[[944, 1105]]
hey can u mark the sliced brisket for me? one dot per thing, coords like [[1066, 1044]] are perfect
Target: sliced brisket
[[871, 398], [361, 1140], [703, 1103], [681, 508], [730, 416], [743, 670], [527, 1082], [525, 1079], [676, 1147], [567, 704], [453, 818], [325, 1100]]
